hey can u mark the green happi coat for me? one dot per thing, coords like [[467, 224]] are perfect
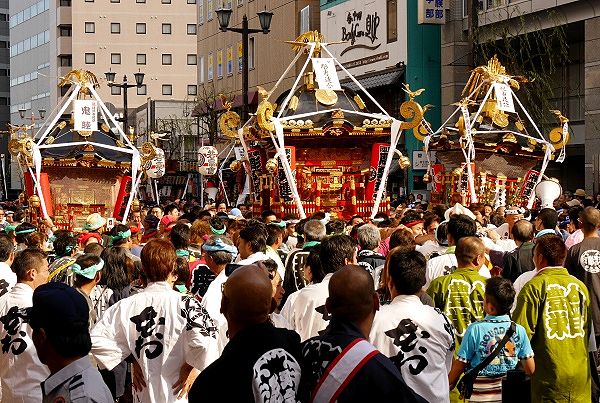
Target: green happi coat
[[460, 296], [554, 309]]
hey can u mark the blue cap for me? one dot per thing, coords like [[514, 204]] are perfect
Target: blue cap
[[57, 307]]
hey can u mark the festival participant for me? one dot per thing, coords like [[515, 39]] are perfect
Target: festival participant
[[583, 262], [252, 243], [120, 237], [59, 319], [157, 212], [22, 231], [8, 278], [460, 294], [576, 233], [306, 312], [261, 362], [476, 345], [21, 372], [367, 375], [218, 253], [512, 214], [417, 338], [519, 260], [459, 226], [314, 232], [275, 232], [222, 207], [545, 222], [96, 224], [150, 228], [369, 239], [65, 248], [87, 272], [554, 309], [180, 238], [172, 210], [413, 221], [167, 334], [268, 216]]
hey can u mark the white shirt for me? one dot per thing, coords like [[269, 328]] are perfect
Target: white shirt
[[446, 264], [272, 254], [418, 338], [162, 329], [21, 371], [430, 247], [301, 311], [8, 278], [253, 258], [212, 299]]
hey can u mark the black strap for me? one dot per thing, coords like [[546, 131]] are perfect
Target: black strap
[[509, 332]]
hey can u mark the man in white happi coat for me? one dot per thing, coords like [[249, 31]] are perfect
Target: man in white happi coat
[[459, 226], [305, 310], [21, 371], [8, 278], [218, 252], [417, 338], [169, 335], [252, 243]]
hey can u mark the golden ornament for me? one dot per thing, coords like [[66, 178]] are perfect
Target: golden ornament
[[135, 205], [264, 114], [228, 123], [235, 165], [427, 178], [326, 97], [272, 166], [404, 162], [34, 201]]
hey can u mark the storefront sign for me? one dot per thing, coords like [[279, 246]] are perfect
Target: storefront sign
[[86, 115], [432, 12]]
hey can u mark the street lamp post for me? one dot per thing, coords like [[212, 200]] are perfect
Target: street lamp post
[[264, 17], [125, 86]]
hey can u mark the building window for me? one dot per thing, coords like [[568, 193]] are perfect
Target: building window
[[89, 1], [192, 60], [201, 69], [65, 30], [392, 21], [65, 61], [201, 12], [163, 2], [115, 90], [140, 1], [90, 58], [140, 28], [115, 27], [167, 59], [167, 89], [142, 90], [140, 58], [166, 29], [90, 27], [192, 89], [115, 58], [191, 29], [191, 1], [250, 53], [209, 6], [115, 1]]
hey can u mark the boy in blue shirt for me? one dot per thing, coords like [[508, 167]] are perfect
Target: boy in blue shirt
[[481, 338]]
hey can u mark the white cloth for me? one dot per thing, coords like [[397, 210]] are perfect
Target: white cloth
[[21, 371], [272, 254], [446, 264], [430, 247], [502, 231], [420, 339], [8, 278], [212, 299], [520, 283], [306, 312], [253, 258], [162, 329]]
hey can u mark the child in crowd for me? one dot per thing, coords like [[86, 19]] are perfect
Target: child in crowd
[[481, 338]]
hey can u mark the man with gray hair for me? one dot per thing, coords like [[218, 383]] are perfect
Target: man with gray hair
[[314, 233], [369, 239]]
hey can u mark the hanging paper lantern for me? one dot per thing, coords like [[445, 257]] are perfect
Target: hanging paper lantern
[[155, 168], [208, 160]]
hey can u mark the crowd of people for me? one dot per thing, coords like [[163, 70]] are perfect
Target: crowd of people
[[430, 303]]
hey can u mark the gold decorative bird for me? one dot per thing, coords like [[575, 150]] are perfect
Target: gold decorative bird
[[561, 118], [227, 104], [412, 94]]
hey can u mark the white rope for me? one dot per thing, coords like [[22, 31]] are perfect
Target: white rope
[[395, 137], [59, 114], [291, 93], [134, 189]]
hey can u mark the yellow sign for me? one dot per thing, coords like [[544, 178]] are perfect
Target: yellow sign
[[220, 63], [229, 60], [240, 55]]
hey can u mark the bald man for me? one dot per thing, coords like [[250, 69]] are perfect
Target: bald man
[[260, 363], [363, 373]]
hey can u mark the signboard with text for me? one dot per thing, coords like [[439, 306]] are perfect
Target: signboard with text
[[432, 12], [371, 40], [86, 114]]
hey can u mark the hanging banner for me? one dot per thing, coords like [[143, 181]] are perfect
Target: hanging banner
[[325, 73], [229, 60], [86, 114], [437, 177], [504, 99], [378, 158], [240, 55], [284, 187]]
